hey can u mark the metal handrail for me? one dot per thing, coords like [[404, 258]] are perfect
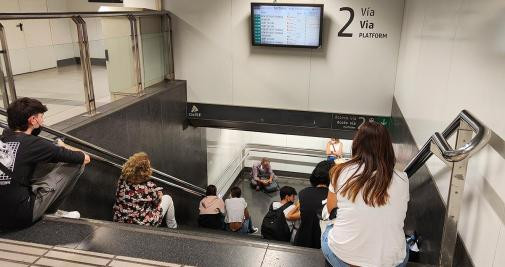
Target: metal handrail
[[107, 152], [481, 138], [104, 160], [60, 15]]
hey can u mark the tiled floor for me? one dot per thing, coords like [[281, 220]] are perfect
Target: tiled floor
[[17, 253], [62, 90]]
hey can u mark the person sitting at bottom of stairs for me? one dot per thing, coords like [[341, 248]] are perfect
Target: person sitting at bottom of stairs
[[24, 199], [211, 210], [139, 200], [237, 216], [263, 177], [277, 223]]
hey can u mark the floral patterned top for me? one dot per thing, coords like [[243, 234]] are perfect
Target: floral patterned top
[[138, 203]]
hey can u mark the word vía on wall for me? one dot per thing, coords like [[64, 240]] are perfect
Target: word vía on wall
[[367, 24]]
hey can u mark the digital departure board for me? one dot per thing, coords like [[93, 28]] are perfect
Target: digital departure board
[[296, 25]]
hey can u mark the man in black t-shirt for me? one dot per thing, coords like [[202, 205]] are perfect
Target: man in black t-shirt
[[23, 197]]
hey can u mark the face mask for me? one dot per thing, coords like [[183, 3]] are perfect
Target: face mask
[[36, 131]]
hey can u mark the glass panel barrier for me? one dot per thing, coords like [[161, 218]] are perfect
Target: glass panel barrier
[[119, 54], [153, 50]]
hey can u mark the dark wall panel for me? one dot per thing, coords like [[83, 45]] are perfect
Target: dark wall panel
[[155, 124], [426, 210]]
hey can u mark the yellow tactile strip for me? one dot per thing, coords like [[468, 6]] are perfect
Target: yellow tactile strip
[[18, 254]]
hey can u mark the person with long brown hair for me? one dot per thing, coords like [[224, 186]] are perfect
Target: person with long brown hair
[[372, 198], [138, 199]]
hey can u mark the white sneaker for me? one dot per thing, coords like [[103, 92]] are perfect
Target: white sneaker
[[254, 230], [68, 214]]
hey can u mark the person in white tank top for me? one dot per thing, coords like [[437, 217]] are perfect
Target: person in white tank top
[[334, 149], [368, 228]]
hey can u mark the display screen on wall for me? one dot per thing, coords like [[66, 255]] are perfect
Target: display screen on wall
[[287, 25]]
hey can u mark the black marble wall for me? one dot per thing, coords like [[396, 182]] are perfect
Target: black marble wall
[[426, 211], [155, 124]]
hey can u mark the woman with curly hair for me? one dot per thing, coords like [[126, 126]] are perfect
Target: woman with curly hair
[[139, 200]]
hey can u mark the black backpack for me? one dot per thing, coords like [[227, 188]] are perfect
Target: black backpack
[[274, 226]]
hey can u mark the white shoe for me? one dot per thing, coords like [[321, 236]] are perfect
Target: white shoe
[[254, 230], [68, 214]]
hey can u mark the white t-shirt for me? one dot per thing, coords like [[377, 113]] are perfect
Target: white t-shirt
[[235, 209], [291, 224], [366, 236]]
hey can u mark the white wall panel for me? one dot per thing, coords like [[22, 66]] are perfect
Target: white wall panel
[[41, 57], [94, 27], [202, 39], [57, 6], [266, 77], [63, 51], [60, 31], [33, 6], [15, 37], [37, 32], [224, 148], [452, 58], [214, 54], [500, 257], [97, 49], [9, 6], [19, 61], [356, 75]]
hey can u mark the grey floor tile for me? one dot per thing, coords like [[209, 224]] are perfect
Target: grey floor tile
[[172, 249], [52, 233]]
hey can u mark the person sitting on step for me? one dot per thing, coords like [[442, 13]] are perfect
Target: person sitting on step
[[138, 199], [263, 177], [372, 199], [211, 210], [237, 216], [25, 197]]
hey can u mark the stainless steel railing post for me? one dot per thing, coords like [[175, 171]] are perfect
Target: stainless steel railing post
[[8, 66], [455, 198], [169, 48], [89, 93], [135, 36], [3, 88]]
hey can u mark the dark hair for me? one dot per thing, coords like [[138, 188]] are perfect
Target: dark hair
[[235, 191], [321, 174], [373, 152], [287, 191], [21, 110], [211, 190]]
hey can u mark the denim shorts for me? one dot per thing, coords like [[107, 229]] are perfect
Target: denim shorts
[[335, 261]]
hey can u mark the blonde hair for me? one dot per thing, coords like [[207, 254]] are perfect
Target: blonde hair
[[137, 169]]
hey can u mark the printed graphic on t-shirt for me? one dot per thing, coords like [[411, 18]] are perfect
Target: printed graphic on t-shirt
[[8, 153]]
